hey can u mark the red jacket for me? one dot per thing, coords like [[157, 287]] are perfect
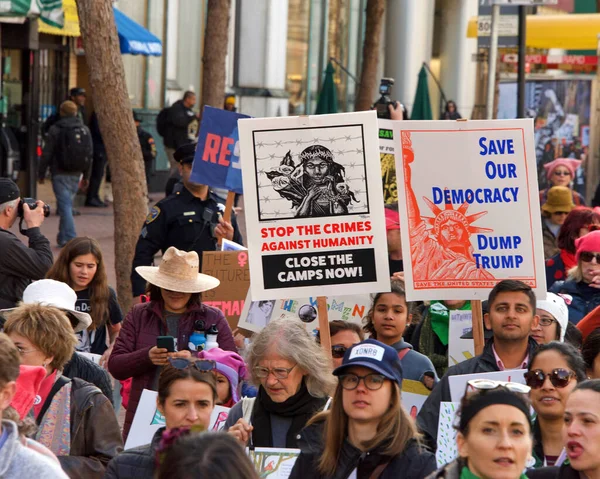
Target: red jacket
[[141, 327]]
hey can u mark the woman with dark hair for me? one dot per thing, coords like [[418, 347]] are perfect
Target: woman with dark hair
[[344, 335], [494, 433], [213, 455], [554, 371], [576, 225], [366, 433], [450, 112], [583, 283], [81, 266], [386, 321], [175, 311], [581, 436], [591, 354], [187, 394]]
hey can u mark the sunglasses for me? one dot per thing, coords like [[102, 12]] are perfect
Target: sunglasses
[[202, 365], [372, 381], [562, 173], [587, 257], [559, 378], [338, 351], [489, 384]]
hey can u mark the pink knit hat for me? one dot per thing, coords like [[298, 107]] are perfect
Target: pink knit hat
[[229, 364], [590, 242], [28, 384], [569, 163]]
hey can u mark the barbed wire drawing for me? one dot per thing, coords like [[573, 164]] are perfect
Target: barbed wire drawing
[[310, 172]]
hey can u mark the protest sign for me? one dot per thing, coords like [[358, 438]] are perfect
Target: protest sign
[[469, 207], [257, 314], [414, 394], [459, 350], [387, 156], [148, 419], [458, 383], [231, 269], [227, 245], [217, 162], [314, 205], [273, 462], [446, 439]]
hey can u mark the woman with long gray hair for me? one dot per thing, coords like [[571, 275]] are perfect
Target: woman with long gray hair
[[294, 379]]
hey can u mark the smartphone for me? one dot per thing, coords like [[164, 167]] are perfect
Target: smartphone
[[166, 342]]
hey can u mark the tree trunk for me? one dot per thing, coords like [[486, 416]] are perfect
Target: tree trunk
[[368, 75], [112, 105], [216, 36]]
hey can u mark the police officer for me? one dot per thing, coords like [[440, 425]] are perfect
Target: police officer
[[190, 220]]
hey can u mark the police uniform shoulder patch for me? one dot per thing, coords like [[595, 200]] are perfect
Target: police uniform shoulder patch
[[154, 212]]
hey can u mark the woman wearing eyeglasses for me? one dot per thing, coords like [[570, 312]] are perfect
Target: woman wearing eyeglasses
[[583, 284], [294, 379], [187, 394], [366, 433], [344, 335], [494, 436], [561, 172], [174, 310], [554, 318], [555, 210], [554, 371]]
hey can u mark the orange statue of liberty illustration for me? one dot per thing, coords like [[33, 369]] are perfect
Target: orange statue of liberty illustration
[[440, 246]]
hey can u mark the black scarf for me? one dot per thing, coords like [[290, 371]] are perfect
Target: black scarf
[[300, 407]]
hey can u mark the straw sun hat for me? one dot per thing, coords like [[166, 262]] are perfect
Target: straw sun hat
[[178, 271]]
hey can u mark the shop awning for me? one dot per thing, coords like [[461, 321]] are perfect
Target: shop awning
[[135, 39], [49, 10], [568, 32]]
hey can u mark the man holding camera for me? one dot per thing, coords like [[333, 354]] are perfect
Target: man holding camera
[[19, 264]]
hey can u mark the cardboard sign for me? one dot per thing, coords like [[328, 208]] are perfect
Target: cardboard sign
[[217, 162], [460, 350], [257, 314], [414, 394], [148, 420], [273, 462], [469, 207], [458, 383], [387, 156], [314, 206], [231, 268], [446, 440]]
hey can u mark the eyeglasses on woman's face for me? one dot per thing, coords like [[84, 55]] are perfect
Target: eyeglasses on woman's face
[[545, 321], [559, 378], [373, 381], [588, 256], [278, 373]]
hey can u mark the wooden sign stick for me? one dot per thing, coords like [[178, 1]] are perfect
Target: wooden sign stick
[[228, 210], [477, 318], [324, 332]]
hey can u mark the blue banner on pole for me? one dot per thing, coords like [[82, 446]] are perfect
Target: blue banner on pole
[[217, 159]]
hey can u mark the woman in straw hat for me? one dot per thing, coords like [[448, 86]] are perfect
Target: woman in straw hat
[[174, 310]]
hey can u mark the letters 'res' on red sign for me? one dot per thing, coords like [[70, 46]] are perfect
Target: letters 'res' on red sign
[[216, 149]]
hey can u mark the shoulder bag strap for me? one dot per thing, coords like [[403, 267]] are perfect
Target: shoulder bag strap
[[378, 470]]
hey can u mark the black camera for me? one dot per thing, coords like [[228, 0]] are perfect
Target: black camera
[[381, 105], [32, 203]]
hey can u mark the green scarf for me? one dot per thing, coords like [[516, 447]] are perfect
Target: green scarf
[[467, 474], [440, 319]]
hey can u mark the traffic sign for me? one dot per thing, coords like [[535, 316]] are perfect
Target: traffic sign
[[507, 27]]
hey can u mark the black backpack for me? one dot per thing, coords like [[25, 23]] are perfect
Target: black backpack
[[162, 121], [75, 148]]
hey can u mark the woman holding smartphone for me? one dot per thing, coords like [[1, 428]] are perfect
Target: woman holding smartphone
[[172, 315]]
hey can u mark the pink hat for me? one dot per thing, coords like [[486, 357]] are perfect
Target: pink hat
[[590, 242], [569, 163], [28, 384], [392, 219], [229, 364]]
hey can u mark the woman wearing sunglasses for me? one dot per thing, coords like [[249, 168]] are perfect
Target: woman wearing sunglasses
[[494, 436], [366, 433], [561, 172], [583, 284], [175, 309], [554, 371], [294, 379], [187, 394], [344, 335], [554, 318]]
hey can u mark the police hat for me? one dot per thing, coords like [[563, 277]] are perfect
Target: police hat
[[185, 153], [77, 91], [137, 117]]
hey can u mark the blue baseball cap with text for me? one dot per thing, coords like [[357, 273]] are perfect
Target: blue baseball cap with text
[[374, 355]]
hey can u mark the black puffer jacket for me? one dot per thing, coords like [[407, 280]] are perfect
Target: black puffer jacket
[[413, 463], [83, 368], [136, 463]]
